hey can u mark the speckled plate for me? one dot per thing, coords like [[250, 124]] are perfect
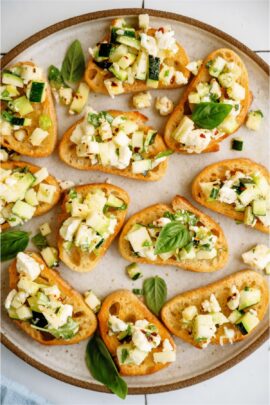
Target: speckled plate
[[192, 365]]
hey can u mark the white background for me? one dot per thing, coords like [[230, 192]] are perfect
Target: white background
[[246, 383]]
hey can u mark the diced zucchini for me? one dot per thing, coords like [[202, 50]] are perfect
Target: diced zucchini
[[203, 89], [119, 73], [80, 99], [45, 229], [234, 316], [114, 86], [40, 175], [137, 141], [189, 313], [38, 136], [19, 121], [50, 256], [254, 120], [104, 49], [23, 210], [129, 41], [153, 71], [259, 207], [236, 92], [44, 122], [21, 105], [226, 79], [229, 125], [134, 271], [186, 125], [31, 197], [14, 80], [24, 312], [92, 300], [249, 297], [30, 287], [141, 66], [247, 323], [203, 328], [98, 222], [248, 216], [125, 61], [117, 52], [144, 21], [141, 166], [237, 144], [36, 92], [149, 139], [114, 202], [219, 318], [194, 98], [46, 193]]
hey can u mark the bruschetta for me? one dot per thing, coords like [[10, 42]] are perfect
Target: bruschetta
[[28, 121], [44, 306], [136, 339], [178, 235], [92, 215], [26, 191], [214, 105], [115, 142], [226, 311], [237, 188], [135, 59]]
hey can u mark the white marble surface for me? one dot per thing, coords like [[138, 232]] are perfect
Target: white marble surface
[[247, 21]]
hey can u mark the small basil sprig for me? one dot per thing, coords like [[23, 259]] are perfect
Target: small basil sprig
[[73, 65], [155, 293], [11, 243], [102, 367], [172, 236], [210, 115]]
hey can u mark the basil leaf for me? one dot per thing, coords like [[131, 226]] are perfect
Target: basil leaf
[[11, 243], [155, 293], [39, 241], [102, 367], [210, 115], [172, 236], [73, 65]]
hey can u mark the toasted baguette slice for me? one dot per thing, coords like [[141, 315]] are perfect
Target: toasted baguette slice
[[49, 143], [150, 214], [129, 308], [76, 259], [217, 171], [81, 312], [95, 76], [203, 76], [67, 151], [43, 207], [171, 312]]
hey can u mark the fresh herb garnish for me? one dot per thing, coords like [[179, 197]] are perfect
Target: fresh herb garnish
[[155, 293], [55, 77], [124, 355], [210, 115], [102, 367], [11, 243], [73, 65], [172, 236], [165, 153], [39, 241]]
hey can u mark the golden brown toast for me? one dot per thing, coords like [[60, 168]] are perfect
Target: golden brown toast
[[203, 76], [67, 151], [81, 312], [76, 259], [218, 170], [49, 143], [95, 76], [150, 214], [129, 308], [43, 207], [171, 312]]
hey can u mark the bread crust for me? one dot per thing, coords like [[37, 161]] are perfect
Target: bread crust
[[171, 312], [43, 207], [154, 212], [95, 76], [82, 261], [81, 312], [217, 170], [67, 151], [47, 107], [203, 75], [130, 309]]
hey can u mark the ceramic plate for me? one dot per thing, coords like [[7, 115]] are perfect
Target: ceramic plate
[[192, 365]]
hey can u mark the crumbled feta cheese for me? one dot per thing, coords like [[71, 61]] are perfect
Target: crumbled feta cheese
[[180, 78], [160, 222], [116, 324], [164, 105], [194, 66], [227, 195], [27, 265], [3, 155], [142, 100], [258, 257]]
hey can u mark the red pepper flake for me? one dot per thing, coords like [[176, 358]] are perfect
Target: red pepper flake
[[136, 149], [161, 29], [216, 132], [202, 136]]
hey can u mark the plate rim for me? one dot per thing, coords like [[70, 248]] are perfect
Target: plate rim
[[189, 21]]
